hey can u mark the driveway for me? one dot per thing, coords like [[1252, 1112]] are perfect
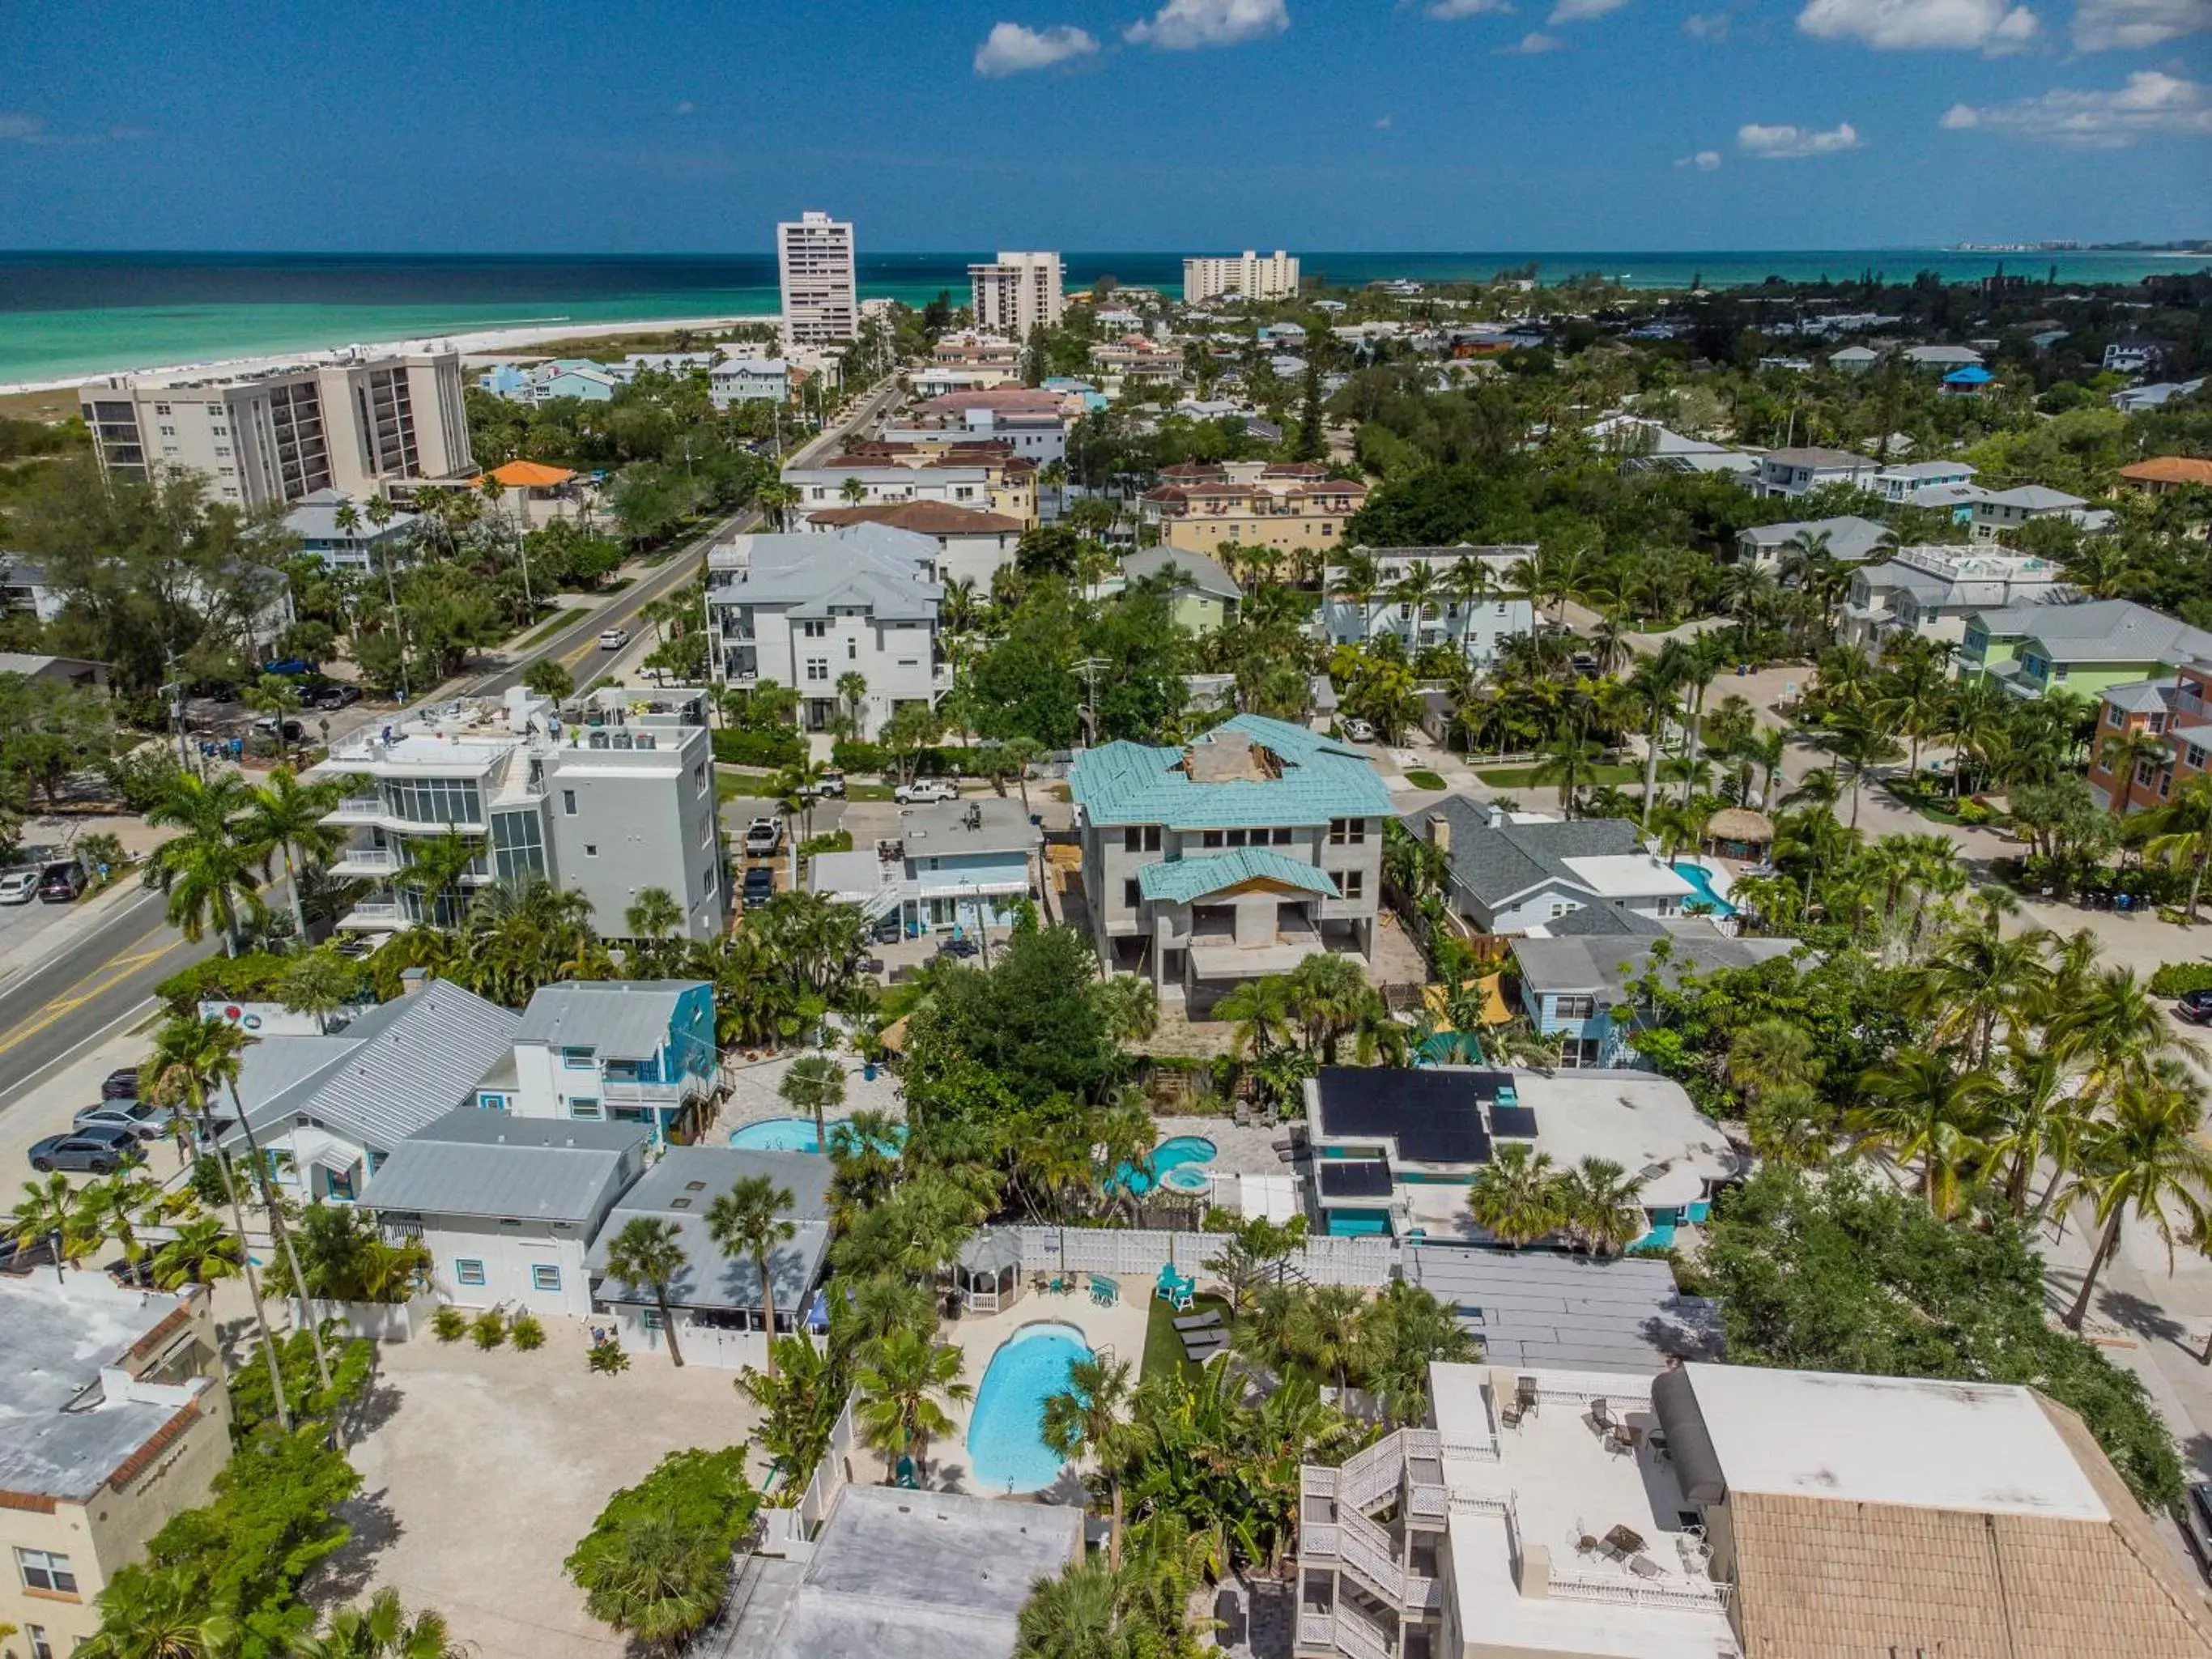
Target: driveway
[[483, 1470]]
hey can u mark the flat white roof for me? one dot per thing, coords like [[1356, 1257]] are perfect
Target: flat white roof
[[1910, 1441], [1628, 875], [1643, 1122]]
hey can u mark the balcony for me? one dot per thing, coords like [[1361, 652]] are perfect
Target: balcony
[[368, 863], [376, 916]]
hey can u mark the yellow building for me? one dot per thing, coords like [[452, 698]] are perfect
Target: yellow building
[[114, 1416], [1289, 507]]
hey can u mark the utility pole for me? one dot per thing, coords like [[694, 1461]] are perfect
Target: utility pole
[[1089, 668], [173, 690]]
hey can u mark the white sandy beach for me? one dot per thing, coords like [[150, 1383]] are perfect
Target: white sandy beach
[[486, 346]]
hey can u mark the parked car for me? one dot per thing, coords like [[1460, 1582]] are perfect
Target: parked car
[[2196, 1518], [291, 731], [2195, 1006], [830, 783], [926, 789], [760, 884], [148, 1119], [61, 884], [336, 695], [1359, 730], [762, 836], [19, 887], [121, 1083], [613, 638], [94, 1151]]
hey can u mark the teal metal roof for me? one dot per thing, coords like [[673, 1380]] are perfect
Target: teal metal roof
[[1181, 880], [1320, 779]]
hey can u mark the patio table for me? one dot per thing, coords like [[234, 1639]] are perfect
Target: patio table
[[1626, 1539]]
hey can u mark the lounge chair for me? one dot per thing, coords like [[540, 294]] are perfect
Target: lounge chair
[[1644, 1567], [1204, 1345], [1208, 1321], [1103, 1291]]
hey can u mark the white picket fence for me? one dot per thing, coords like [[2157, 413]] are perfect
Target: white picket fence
[[1368, 1263]]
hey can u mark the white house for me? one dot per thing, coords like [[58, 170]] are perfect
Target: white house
[[1794, 472], [1478, 624], [749, 379], [972, 545], [1900, 481], [363, 547], [628, 1051], [806, 610], [1507, 875], [507, 1205]]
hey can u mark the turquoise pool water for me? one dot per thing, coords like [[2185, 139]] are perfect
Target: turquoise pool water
[[1173, 1153], [782, 1134], [1005, 1449], [1702, 878]]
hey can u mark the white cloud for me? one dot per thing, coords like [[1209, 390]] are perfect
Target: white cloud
[[1446, 10], [1578, 11], [2105, 25], [1187, 25], [1381, 124], [1531, 46], [2149, 103], [1787, 143], [1705, 161], [15, 125], [1706, 25], [1989, 26], [1011, 49]]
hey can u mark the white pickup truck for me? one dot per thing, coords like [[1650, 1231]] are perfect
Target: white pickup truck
[[926, 789]]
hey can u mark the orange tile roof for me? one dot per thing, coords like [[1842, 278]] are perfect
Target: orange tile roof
[[2171, 469], [531, 474]]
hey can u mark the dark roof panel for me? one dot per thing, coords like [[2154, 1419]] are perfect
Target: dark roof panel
[[1435, 1117], [1353, 1177], [1513, 1122]]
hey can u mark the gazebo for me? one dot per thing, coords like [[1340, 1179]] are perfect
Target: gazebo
[[1738, 832], [988, 1273]]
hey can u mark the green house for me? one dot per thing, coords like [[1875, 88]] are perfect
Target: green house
[[2085, 648], [1205, 595]]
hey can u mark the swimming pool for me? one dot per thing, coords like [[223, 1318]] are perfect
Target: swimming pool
[[1173, 1153], [1702, 878], [782, 1134], [1006, 1448]]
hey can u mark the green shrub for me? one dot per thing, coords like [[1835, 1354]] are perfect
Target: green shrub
[[1424, 779], [490, 1328], [853, 755], [248, 977], [448, 1324], [608, 1358], [836, 841], [527, 1332], [1972, 812], [2176, 979], [781, 747]]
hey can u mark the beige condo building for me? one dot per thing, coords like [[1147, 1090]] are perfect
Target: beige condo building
[[1017, 293], [1248, 275], [817, 266]]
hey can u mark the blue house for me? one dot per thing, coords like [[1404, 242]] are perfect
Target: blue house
[[1968, 382], [628, 1051]]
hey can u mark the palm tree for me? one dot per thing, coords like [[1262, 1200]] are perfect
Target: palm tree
[[206, 869], [381, 1630], [1325, 1329], [284, 817], [816, 1084], [1658, 680], [433, 871], [200, 1253], [276, 696], [1704, 659], [2143, 1156], [1923, 1109], [1516, 1197], [649, 1252], [1857, 738], [653, 915], [1417, 590], [150, 1612], [2184, 827], [1087, 1416], [1977, 975], [192, 1058], [1599, 1199], [319, 982], [113, 1208], [751, 1219], [2122, 753], [51, 1210], [1569, 762], [900, 1387]]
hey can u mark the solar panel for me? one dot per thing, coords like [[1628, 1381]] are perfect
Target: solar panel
[[1342, 1178], [1434, 1115], [1513, 1122]]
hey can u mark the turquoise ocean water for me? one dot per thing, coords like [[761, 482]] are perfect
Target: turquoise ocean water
[[64, 314]]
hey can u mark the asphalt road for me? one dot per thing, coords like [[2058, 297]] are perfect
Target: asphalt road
[[103, 983]]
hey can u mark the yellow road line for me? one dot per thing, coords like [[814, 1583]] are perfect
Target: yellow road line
[[124, 964]]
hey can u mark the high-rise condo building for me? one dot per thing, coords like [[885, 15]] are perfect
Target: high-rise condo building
[[1016, 293], [1248, 275], [821, 296], [355, 423]]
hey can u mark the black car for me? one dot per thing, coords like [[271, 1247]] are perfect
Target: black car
[[2195, 1519], [120, 1085], [93, 1151], [760, 884], [2195, 1006]]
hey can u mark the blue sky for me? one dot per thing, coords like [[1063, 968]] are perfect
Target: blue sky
[[1170, 125]]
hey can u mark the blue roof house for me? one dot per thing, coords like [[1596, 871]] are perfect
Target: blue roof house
[[1968, 382], [625, 1051], [1238, 854]]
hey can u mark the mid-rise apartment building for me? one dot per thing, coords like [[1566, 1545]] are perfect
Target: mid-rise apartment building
[[818, 268], [1247, 275], [355, 423], [607, 796], [806, 610], [1287, 506], [1468, 603], [749, 380], [1033, 423], [117, 1419], [1017, 293], [984, 475]]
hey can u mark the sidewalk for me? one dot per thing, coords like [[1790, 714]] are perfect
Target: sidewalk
[[42, 946]]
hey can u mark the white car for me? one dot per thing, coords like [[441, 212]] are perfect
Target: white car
[[924, 789], [1359, 730], [762, 836], [19, 887], [613, 638]]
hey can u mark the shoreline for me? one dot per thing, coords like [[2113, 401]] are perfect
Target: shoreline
[[481, 346]]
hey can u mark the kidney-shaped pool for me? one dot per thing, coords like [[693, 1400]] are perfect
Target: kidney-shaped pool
[[1006, 1445]]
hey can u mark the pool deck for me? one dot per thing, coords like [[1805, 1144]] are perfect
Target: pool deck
[[753, 1096], [1120, 1328]]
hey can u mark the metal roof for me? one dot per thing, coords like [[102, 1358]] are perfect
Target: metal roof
[[1181, 880], [625, 1019], [1189, 569], [683, 1187], [1606, 965], [1534, 1309], [1319, 779], [476, 1163]]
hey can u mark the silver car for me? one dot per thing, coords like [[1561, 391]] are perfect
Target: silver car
[[146, 1119]]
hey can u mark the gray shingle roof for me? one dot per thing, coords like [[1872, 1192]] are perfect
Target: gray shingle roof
[[864, 565], [1189, 569], [475, 1163], [1849, 536], [682, 1187], [1606, 965], [621, 1020], [391, 1071], [1538, 1308], [1495, 864]]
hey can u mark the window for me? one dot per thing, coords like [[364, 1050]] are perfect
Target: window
[[492, 1103], [1210, 838], [1234, 837], [42, 1569], [817, 628], [2112, 716], [1132, 893], [1344, 832], [545, 1277], [1283, 836], [851, 651], [2157, 725], [2195, 757], [468, 1270], [818, 668], [591, 849], [2143, 769], [41, 1647], [699, 775], [1573, 1007], [587, 1110], [1353, 883], [576, 1060]]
